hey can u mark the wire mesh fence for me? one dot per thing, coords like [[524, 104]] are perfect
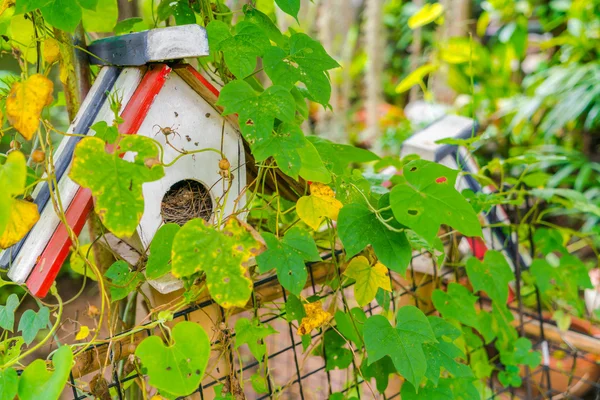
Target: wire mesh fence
[[300, 371]]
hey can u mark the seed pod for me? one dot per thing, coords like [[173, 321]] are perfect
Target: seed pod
[[224, 164], [15, 144], [38, 156]]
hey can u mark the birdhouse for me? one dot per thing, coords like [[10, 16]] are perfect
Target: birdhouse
[[159, 98]]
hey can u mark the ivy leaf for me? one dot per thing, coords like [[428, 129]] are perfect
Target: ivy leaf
[[307, 61], [38, 383], [288, 256], [7, 312], [222, 255], [380, 370], [116, 184], [26, 101], [32, 322], [426, 198], [180, 10], [123, 280], [426, 15], [403, 343], [13, 175], [178, 368], [336, 355], [9, 384], [351, 325], [443, 353], [491, 276], [23, 216], [358, 227], [458, 303], [257, 112], [290, 7], [321, 204], [159, 259], [338, 156], [252, 333], [368, 279], [240, 48], [283, 146]]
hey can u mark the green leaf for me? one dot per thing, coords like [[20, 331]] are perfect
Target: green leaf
[[123, 280], [521, 354], [259, 383], [491, 276], [294, 310], [403, 343], [444, 352], [359, 227], [312, 168], [62, 14], [288, 256], [337, 157], [336, 355], [10, 349], [159, 259], [290, 7], [368, 279], [426, 198], [9, 384], [252, 333], [257, 112], [240, 48], [510, 376], [7, 313], [307, 62], [222, 255], [351, 325], [178, 368], [282, 145], [179, 9], [426, 15], [130, 25], [13, 174], [457, 303], [442, 391], [265, 23], [108, 133], [37, 383], [88, 4], [31, 323], [380, 370], [116, 184], [101, 19]]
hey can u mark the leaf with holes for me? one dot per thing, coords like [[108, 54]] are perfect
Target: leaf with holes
[[240, 48], [26, 101], [306, 61], [257, 112], [426, 198], [122, 280], [38, 383], [288, 257], [368, 279], [32, 322], [458, 303], [179, 367], [358, 227], [159, 259], [116, 184], [491, 276], [7, 312], [282, 145], [252, 333], [403, 343], [222, 255], [321, 204]]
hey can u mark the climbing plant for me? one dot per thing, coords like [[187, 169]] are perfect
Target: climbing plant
[[266, 78]]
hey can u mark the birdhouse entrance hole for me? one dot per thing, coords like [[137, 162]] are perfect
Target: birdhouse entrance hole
[[186, 200]]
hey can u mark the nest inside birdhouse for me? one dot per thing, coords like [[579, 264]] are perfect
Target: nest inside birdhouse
[[186, 200]]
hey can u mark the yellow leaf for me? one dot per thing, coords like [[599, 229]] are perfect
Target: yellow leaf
[[23, 215], [315, 318], [368, 279], [426, 15], [79, 265], [415, 77], [84, 332], [157, 397], [5, 5], [51, 50], [321, 203], [26, 101], [482, 23], [457, 51]]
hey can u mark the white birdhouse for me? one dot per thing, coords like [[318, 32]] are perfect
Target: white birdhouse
[[171, 103]]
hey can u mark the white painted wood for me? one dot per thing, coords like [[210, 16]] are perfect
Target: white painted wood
[[177, 42], [198, 126], [43, 230]]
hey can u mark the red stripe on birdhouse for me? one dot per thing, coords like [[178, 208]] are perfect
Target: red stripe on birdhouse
[[56, 252], [203, 80]]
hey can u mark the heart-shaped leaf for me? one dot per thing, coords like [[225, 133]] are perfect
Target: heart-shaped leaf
[[37, 383]]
